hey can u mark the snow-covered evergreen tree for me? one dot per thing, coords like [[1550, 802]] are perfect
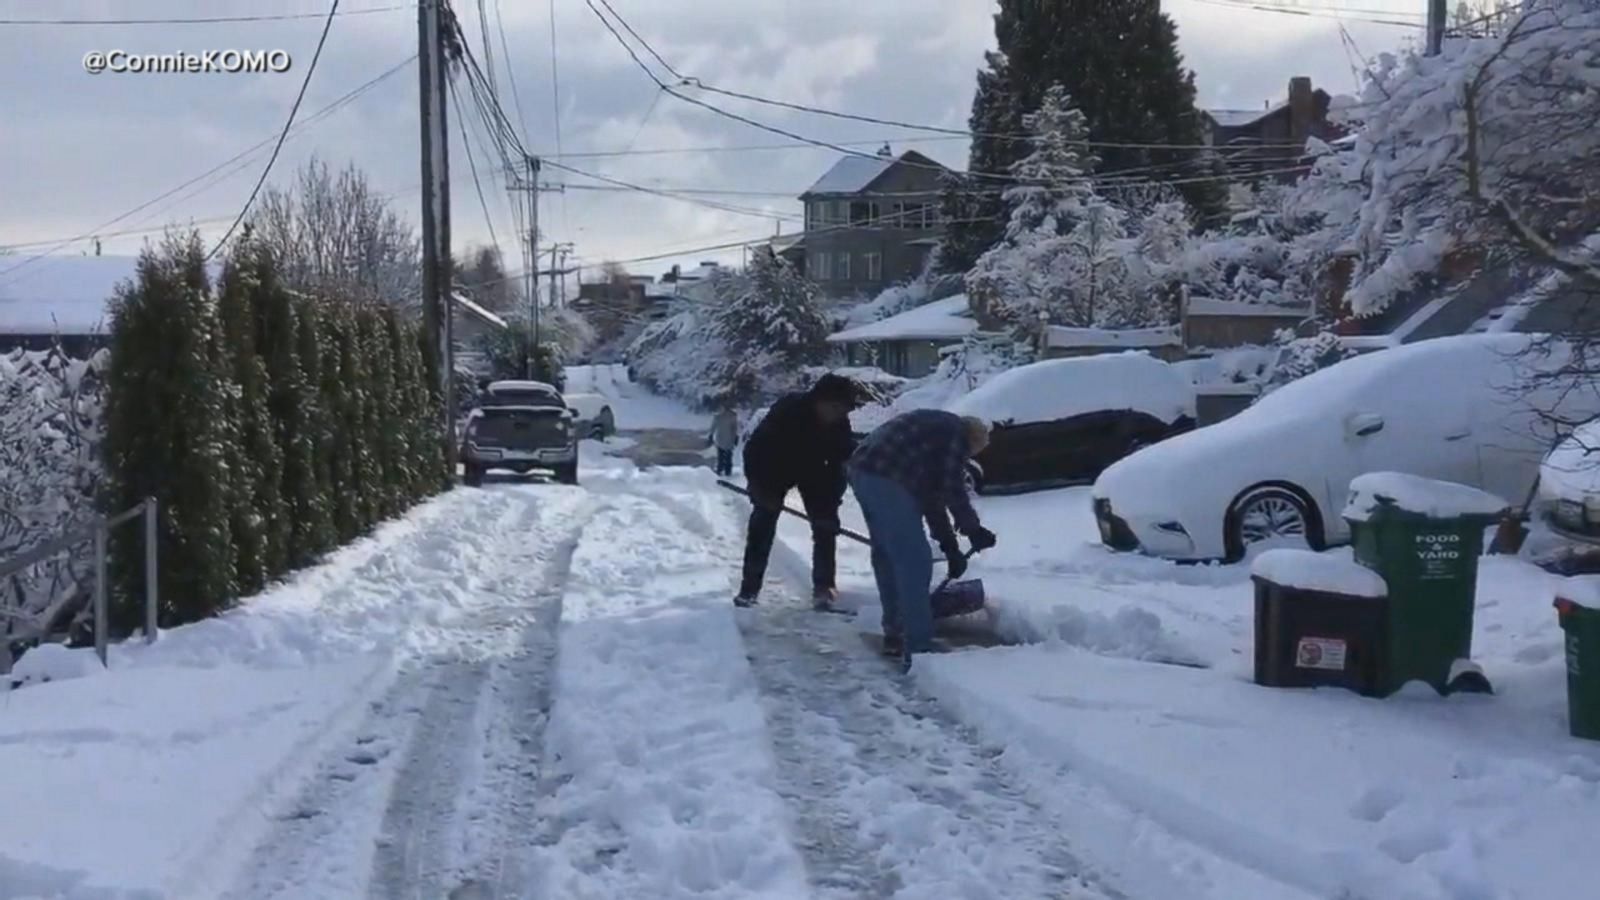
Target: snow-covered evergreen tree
[[1052, 182], [312, 502], [772, 314], [167, 437], [259, 521]]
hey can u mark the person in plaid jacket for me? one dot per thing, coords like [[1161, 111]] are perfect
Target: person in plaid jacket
[[909, 470]]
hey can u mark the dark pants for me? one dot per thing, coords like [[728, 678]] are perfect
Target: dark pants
[[821, 505], [724, 461]]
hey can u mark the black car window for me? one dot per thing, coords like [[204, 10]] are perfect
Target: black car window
[[522, 398]]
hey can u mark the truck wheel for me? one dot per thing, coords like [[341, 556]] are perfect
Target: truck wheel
[[567, 474]]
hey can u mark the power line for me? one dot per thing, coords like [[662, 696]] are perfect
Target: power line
[[1314, 13], [646, 44], [318, 116], [284, 135], [472, 165], [208, 20], [511, 75], [555, 100]]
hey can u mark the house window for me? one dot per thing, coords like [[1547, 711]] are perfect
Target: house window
[[821, 266], [863, 213], [874, 266], [841, 212], [816, 214], [844, 266]]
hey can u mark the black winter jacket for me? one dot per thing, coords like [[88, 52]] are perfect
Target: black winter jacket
[[792, 448]]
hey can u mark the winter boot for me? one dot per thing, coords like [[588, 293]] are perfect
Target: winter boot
[[893, 645], [745, 601], [822, 599]]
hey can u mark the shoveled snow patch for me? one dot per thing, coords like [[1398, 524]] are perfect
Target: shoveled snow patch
[[666, 779], [1062, 388], [1423, 496], [1326, 572]]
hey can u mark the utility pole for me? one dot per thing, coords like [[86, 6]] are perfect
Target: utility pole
[[533, 256], [436, 263], [1437, 13]]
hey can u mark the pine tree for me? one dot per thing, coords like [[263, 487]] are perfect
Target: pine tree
[[257, 471], [340, 395], [1052, 182], [403, 411], [311, 500], [1119, 61], [971, 204], [382, 415], [165, 436], [773, 316]]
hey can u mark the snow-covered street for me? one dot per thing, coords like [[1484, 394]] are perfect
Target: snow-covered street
[[532, 690]]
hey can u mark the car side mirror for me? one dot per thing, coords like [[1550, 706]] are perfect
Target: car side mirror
[[1363, 425]]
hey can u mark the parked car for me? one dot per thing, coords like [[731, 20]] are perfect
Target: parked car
[[1063, 421], [521, 426], [1568, 498], [594, 416], [1468, 409]]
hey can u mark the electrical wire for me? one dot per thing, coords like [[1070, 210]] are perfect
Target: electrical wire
[[555, 99], [284, 135], [472, 164], [511, 75], [1321, 13], [209, 20], [320, 115]]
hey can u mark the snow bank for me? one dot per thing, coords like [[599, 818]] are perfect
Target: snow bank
[[1062, 388], [1423, 496], [157, 776], [1309, 571], [947, 319]]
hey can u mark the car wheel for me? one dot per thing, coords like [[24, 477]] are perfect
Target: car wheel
[[472, 476], [608, 423], [1271, 512], [597, 430], [567, 474]]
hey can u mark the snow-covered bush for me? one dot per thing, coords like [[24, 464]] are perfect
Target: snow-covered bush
[[1068, 257], [50, 426]]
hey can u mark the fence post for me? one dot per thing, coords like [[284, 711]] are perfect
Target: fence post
[[151, 580], [100, 612]]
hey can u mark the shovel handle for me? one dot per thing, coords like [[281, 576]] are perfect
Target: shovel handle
[[837, 529]]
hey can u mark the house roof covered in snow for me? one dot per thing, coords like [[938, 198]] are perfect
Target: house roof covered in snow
[[1062, 337], [855, 174], [1205, 306], [942, 320], [1238, 118], [67, 295]]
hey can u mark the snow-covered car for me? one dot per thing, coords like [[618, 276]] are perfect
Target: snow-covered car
[[1468, 409], [1568, 497], [521, 426], [594, 416], [1063, 421]]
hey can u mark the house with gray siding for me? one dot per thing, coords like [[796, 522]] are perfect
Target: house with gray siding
[[870, 222]]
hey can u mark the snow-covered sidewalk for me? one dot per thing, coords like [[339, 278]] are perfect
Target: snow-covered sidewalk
[[171, 767], [635, 406]]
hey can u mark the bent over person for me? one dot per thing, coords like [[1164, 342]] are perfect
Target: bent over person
[[910, 470], [802, 443]]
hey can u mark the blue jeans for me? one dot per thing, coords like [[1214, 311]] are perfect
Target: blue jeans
[[902, 563]]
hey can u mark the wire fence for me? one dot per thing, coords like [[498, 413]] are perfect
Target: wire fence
[[19, 626]]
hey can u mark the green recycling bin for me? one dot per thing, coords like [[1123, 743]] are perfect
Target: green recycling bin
[[1424, 537], [1582, 626]]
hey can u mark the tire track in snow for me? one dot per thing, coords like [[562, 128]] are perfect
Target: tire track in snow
[[323, 842], [891, 797], [425, 840]]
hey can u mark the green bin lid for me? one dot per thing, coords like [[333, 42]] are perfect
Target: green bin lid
[[1426, 497]]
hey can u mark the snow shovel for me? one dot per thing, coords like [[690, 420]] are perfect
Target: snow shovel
[[951, 598]]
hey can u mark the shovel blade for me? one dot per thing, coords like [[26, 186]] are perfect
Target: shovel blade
[[958, 598]]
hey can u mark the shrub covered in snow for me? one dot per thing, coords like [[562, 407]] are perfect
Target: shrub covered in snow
[[50, 423]]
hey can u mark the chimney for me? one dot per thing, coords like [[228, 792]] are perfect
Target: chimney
[[885, 152], [1302, 109]]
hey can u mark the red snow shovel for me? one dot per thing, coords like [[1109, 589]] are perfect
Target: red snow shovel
[[950, 599]]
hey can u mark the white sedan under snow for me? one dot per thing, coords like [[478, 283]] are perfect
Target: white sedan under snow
[[1464, 409]]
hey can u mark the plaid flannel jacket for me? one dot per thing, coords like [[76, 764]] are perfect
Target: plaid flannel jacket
[[925, 451]]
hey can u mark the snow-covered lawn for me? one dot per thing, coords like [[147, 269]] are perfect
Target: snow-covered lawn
[[634, 405], [1246, 791]]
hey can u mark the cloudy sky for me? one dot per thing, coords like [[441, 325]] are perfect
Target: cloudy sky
[[80, 151]]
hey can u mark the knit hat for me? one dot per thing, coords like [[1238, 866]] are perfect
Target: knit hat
[[836, 389]]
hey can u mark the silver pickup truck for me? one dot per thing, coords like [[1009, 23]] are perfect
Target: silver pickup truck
[[521, 426]]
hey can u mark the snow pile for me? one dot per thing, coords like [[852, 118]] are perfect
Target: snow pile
[[1132, 632], [1326, 572], [940, 320], [1422, 496], [664, 768], [1063, 388], [1570, 471]]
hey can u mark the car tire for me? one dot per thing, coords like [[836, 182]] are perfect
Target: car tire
[[608, 423], [567, 474], [1287, 512], [472, 476]]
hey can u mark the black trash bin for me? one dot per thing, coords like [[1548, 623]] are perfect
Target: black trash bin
[[1321, 621]]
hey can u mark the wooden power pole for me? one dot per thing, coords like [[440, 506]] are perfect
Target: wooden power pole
[[1438, 11], [436, 262]]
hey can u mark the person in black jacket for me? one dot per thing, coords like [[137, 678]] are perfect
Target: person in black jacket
[[802, 443]]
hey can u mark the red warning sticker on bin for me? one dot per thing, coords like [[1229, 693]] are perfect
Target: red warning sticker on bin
[[1320, 653]]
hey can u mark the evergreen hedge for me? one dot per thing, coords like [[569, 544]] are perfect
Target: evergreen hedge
[[271, 427]]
